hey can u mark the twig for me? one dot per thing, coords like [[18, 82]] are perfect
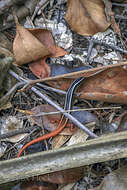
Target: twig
[[110, 16], [90, 47], [74, 120], [119, 4], [72, 75], [52, 89], [121, 17], [6, 96], [19, 131], [93, 42], [19, 142], [38, 7], [73, 110], [110, 46]]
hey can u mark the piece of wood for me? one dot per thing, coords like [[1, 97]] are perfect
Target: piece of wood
[[108, 147]]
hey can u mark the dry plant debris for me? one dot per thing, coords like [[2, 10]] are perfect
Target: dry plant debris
[[35, 44], [116, 180], [101, 87]]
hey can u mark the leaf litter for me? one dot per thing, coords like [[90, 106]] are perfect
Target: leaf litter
[[109, 85]]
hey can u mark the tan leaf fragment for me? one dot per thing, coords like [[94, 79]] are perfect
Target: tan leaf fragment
[[59, 140]]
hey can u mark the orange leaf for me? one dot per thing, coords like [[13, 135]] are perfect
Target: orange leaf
[[59, 52], [86, 17], [40, 68]]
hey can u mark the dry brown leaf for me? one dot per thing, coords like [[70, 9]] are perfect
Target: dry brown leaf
[[65, 176], [37, 185], [86, 17], [27, 47], [58, 52], [44, 36], [33, 44], [110, 85]]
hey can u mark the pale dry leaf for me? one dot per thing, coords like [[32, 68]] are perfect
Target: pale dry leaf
[[117, 180], [59, 140], [10, 124], [68, 186], [86, 17], [16, 138], [79, 137], [1, 152]]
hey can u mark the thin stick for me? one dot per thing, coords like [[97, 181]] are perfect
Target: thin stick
[[51, 88], [6, 96], [73, 110], [71, 75], [73, 119]]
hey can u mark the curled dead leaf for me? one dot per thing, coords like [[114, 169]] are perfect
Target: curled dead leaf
[[35, 45], [27, 47]]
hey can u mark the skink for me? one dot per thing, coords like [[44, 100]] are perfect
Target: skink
[[68, 104], [63, 121]]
